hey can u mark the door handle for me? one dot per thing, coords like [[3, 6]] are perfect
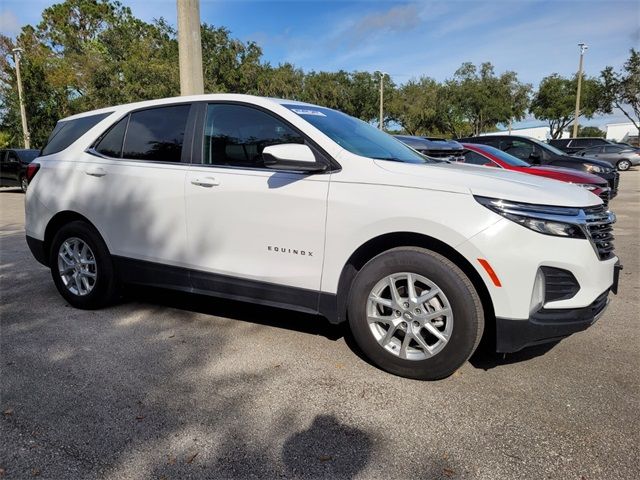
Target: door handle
[[206, 182], [96, 172]]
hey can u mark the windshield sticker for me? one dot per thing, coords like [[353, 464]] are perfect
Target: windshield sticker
[[301, 111]]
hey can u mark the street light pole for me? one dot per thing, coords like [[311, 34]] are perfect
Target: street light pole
[[583, 48], [381, 124], [23, 113], [190, 47]]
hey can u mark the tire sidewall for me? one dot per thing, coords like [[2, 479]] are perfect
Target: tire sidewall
[[104, 288], [468, 320]]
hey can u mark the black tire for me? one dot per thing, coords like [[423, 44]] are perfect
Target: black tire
[[24, 184], [105, 289], [623, 165], [466, 306]]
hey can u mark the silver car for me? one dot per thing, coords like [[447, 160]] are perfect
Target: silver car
[[620, 156]]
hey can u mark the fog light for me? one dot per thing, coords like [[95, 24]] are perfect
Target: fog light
[[537, 296]]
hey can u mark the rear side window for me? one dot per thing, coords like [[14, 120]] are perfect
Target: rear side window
[[156, 134], [68, 131], [111, 143]]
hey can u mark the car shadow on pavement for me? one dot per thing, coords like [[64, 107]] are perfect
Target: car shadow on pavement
[[237, 310], [486, 358]]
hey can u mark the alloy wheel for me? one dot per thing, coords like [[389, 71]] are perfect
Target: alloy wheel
[[409, 316], [77, 266]]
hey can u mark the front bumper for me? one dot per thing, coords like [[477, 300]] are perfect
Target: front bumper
[[546, 326], [550, 325], [612, 179]]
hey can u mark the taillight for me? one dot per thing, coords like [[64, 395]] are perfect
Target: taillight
[[32, 169]]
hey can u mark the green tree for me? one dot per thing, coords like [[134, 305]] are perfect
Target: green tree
[[555, 101], [486, 99], [621, 90], [591, 132]]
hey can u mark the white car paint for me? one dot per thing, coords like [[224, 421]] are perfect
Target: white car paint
[[230, 221]]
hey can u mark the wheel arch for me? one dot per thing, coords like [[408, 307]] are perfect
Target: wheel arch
[[57, 222], [382, 243]]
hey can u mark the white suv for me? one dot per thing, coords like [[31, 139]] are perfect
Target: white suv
[[293, 205]]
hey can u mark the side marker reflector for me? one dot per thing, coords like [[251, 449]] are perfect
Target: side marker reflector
[[490, 272]]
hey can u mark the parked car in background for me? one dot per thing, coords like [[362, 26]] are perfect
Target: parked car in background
[[572, 145], [538, 153], [477, 154], [437, 148], [13, 167], [292, 205], [619, 156]]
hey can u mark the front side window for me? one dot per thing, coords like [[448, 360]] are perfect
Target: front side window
[[156, 134], [519, 149], [68, 131], [612, 149], [236, 135]]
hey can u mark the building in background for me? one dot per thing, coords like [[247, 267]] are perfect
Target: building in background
[[622, 132]]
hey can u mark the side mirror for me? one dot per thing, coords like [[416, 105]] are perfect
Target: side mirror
[[291, 156]]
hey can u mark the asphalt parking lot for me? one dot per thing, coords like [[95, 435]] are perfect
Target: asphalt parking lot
[[174, 386]]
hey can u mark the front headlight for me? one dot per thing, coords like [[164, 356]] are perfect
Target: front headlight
[[589, 186], [548, 220], [593, 168]]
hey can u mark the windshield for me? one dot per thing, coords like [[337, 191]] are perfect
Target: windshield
[[551, 148], [504, 156], [356, 136]]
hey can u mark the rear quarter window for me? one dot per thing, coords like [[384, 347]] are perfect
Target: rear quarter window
[[67, 132]]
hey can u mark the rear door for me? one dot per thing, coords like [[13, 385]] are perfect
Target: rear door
[[254, 232], [135, 173]]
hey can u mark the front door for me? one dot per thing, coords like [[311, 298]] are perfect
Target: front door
[[254, 232]]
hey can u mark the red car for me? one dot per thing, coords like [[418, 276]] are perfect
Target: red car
[[478, 154]]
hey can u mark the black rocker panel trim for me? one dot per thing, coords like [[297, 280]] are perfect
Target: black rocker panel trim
[[224, 286]]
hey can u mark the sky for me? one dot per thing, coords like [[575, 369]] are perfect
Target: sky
[[408, 39]]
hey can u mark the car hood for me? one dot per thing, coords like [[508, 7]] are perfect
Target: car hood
[[487, 182], [571, 175], [592, 161]]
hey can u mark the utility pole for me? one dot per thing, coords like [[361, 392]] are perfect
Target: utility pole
[[190, 47], [23, 113], [381, 124], [583, 48]]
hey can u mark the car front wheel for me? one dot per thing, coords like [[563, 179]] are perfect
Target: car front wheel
[[414, 313], [24, 184], [81, 267], [624, 165]]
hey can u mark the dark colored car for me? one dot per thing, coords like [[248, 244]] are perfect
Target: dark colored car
[[437, 148], [573, 145], [619, 156], [538, 153], [477, 154], [13, 167]]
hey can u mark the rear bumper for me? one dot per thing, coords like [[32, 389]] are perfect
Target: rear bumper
[[547, 325], [37, 250]]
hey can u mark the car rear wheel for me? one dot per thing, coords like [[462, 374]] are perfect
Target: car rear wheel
[[414, 313], [24, 184], [624, 165], [82, 268]]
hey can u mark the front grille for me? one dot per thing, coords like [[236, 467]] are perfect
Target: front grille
[[559, 284], [599, 225], [605, 196], [613, 183]]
